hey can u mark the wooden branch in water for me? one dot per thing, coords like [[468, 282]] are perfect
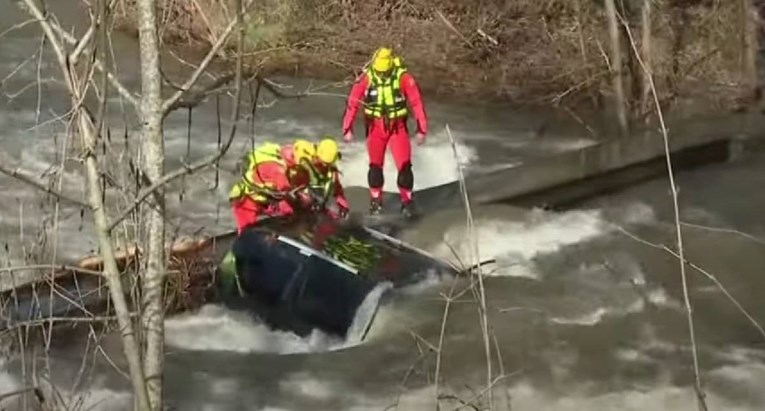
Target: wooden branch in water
[[18, 175]]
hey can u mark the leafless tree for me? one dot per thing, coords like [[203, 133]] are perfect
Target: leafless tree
[[85, 72], [617, 66]]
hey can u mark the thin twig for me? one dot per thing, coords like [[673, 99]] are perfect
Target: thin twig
[[473, 240], [62, 267], [171, 102], [700, 395], [21, 391], [714, 279], [19, 175], [205, 162], [725, 230]]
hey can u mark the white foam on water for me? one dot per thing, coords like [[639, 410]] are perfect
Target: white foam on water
[[93, 398], [216, 328], [433, 163], [598, 314], [734, 386], [430, 278], [303, 385], [660, 398], [365, 315], [8, 384], [514, 244]]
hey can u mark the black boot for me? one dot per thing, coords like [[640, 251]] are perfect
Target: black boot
[[408, 210], [375, 206]]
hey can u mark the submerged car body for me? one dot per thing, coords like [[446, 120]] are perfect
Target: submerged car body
[[307, 272], [295, 273]]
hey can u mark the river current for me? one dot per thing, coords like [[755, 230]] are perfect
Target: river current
[[585, 307]]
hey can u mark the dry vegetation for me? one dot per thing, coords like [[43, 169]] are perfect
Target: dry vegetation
[[524, 51]]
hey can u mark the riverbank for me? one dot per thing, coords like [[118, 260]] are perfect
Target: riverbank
[[529, 53]]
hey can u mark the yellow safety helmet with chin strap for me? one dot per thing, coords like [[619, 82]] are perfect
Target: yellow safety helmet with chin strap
[[303, 150], [328, 151], [383, 60]]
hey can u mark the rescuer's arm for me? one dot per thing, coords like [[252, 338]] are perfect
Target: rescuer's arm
[[342, 201], [355, 99], [411, 91]]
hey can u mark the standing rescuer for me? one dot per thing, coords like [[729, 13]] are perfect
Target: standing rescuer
[[385, 89]]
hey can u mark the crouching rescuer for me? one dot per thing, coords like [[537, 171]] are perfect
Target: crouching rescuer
[[325, 179], [385, 89], [271, 173]]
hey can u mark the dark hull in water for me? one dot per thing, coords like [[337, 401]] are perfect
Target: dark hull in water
[[295, 274]]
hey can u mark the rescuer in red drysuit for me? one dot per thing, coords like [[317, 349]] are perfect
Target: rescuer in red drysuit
[[385, 89], [325, 178], [271, 170]]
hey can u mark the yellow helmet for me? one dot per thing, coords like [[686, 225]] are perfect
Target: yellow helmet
[[328, 151], [303, 150], [383, 60]]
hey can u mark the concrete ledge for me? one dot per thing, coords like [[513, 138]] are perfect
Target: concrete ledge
[[544, 180]]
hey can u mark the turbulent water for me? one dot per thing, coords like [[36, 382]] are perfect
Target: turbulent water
[[585, 308]]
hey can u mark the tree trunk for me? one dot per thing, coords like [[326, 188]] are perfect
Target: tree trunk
[[748, 19], [645, 52], [89, 136], [583, 49], [617, 66], [153, 158], [111, 271]]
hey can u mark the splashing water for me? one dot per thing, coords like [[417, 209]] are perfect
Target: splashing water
[[216, 328], [515, 243], [433, 164]]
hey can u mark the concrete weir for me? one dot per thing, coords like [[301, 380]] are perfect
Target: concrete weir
[[561, 180]]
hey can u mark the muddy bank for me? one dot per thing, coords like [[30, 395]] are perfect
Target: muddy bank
[[525, 52]]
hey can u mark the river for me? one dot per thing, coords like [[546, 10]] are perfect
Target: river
[[584, 315]]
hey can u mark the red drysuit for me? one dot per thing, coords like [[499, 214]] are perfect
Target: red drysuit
[[247, 210], [395, 132], [248, 206]]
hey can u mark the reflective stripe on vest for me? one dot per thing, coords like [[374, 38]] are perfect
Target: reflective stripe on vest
[[323, 182], [259, 191], [384, 96]]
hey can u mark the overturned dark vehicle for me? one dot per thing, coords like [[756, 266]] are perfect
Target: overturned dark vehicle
[[295, 273], [312, 272]]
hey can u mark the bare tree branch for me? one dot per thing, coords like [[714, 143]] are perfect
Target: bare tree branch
[[706, 273], [77, 88], [187, 169], [19, 175], [52, 267], [16, 27], [221, 41], [195, 97], [116, 83], [700, 395], [21, 391]]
